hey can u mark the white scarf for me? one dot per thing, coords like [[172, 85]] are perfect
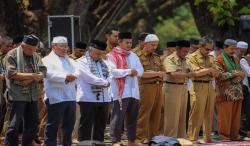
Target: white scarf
[[57, 65]]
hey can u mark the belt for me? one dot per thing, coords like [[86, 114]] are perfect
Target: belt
[[154, 82], [201, 81], [174, 83]]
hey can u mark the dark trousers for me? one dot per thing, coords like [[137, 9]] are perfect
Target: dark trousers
[[246, 105], [93, 120], [65, 113], [130, 107], [28, 112]]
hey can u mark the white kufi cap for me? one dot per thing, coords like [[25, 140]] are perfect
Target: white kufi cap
[[242, 45], [151, 38], [60, 40]]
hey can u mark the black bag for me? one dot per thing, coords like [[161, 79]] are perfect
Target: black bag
[[164, 141], [91, 143]]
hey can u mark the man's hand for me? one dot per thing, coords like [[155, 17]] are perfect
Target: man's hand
[[104, 86], [215, 73], [70, 78], [161, 74], [1, 76], [107, 85], [190, 74], [238, 74], [37, 77], [133, 72]]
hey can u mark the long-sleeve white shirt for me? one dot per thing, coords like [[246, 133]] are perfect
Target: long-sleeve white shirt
[[56, 90], [246, 68], [86, 79], [131, 88]]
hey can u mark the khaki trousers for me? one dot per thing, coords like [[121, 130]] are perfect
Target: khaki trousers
[[42, 117], [76, 127], [229, 113], [175, 106], [150, 111], [202, 99]]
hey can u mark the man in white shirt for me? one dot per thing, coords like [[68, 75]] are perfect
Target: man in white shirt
[[125, 69], [60, 92], [245, 66], [93, 94]]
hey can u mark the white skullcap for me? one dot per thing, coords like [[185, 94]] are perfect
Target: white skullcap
[[151, 38], [60, 40], [242, 45], [230, 42]]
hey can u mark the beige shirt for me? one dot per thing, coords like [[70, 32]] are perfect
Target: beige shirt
[[173, 63]]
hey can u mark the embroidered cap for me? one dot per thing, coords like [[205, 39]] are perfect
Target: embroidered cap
[[60, 40], [31, 40]]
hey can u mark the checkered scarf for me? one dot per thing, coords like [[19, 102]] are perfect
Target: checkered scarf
[[119, 56], [93, 68]]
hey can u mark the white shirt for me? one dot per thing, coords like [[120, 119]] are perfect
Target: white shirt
[[56, 90], [86, 79], [246, 68], [131, 88], [213, 53]]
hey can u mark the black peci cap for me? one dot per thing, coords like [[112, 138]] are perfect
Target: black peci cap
[[98, 45]]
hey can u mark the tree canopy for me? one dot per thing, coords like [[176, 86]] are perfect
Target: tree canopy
[[171, 19]]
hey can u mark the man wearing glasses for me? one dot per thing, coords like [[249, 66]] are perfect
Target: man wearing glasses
[[230, 92], [24, 70], [60, 92], [202, 91]]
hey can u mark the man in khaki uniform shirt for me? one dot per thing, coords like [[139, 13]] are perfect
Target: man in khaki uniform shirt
[[79, 50], [202, 92], [170, 48], [112, 39], [141, 42], [150, 90], [176, 91]]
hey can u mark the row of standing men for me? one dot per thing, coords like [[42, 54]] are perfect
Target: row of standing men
[[95, 80]]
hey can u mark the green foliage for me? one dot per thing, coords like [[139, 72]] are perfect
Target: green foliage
[[245, 10], [224, 12], [180, 26]]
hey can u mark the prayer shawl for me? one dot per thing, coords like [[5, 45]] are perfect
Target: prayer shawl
[[93, 69], [119, 56], [21, 62]]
